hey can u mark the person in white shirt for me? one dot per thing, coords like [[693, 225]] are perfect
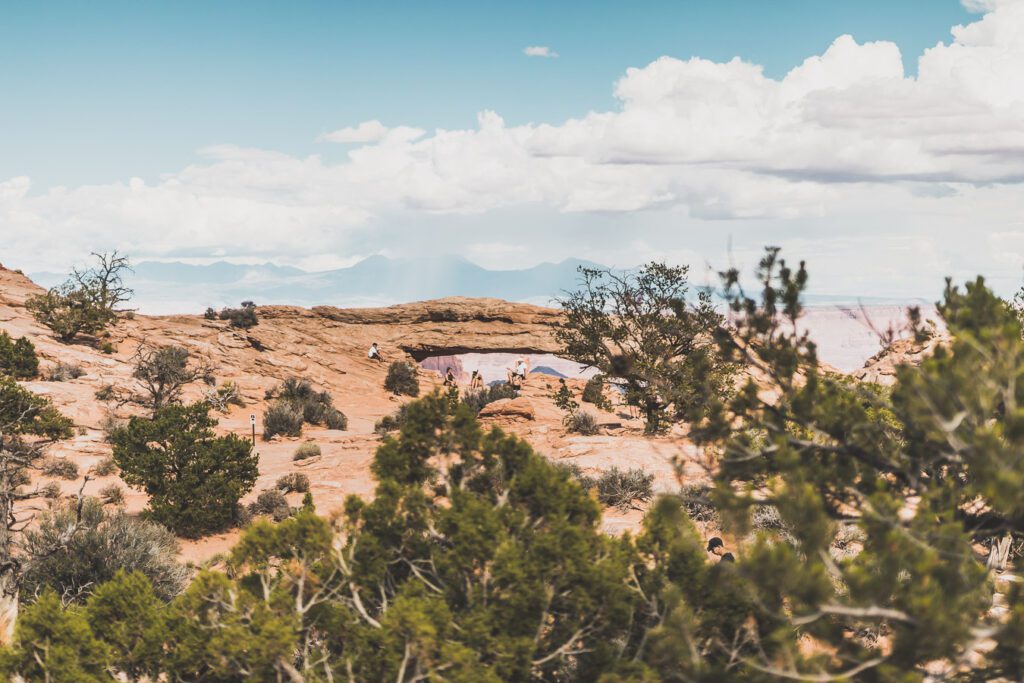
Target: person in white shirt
[[517, 374], [374, 353]]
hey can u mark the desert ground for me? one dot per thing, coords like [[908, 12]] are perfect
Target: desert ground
[[327, 346]]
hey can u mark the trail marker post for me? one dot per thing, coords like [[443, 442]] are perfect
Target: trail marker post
[[252, 422]]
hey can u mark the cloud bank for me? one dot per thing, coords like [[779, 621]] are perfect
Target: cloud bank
[[845, 140]]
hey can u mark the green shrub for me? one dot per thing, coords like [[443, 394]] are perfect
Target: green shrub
[[50, 489], [581, 422], [593, 392], [243, 317], [476, 400], [564, 399], [306, 450], [163, 372], [87, 302], [312, 406], [283, 418], [223, 397], [104, 542], [109, 424], [402, 380], [193, 477], [273, 503], [105, 393], [18, 357], [210, 314], [293, 481], [335, 419], [60, 468], [697, 502], [64, 372], [54, 643], [390, 423], [576, 472], [105, 467], [22, 412], [621, 489], [112, 494]]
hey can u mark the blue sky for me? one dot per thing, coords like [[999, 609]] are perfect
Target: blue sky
[[882, 141], [97, 92]]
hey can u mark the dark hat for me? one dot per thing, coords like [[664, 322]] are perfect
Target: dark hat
[[727, 558], [715, 543]]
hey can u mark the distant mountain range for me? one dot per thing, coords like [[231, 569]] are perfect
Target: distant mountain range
[[174, 287]]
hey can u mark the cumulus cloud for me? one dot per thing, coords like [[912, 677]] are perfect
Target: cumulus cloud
[[369, 132], [539, 51], [699, 141]]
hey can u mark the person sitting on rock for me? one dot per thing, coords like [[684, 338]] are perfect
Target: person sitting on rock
[[449, 378], [476, 380], [374, 353], [517, 374]]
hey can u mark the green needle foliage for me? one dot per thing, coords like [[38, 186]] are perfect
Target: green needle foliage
[[22, 412], [859, 517], [87, 303], [639, 331], [17, 357], [194, 478]]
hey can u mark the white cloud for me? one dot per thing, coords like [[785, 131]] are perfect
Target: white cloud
[[692, 143], [539, 51]]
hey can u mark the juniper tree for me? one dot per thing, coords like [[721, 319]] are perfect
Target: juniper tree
[[922, 473], [193, 477], [17, 357], [638, 329], [28, 425], [87, 303], [164, 371]]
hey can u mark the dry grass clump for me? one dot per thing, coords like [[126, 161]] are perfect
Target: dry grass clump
[[63, 372], [306, 450], [60, 468], [293, 482]]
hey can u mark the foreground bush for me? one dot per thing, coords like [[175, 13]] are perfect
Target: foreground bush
[[17, 357], [194, 478], [75, 564], [402, 380]]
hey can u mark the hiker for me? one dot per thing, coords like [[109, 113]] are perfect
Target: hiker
[[476, 380], [517, 374], [374, 353], [716, 546], [449, 378]]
